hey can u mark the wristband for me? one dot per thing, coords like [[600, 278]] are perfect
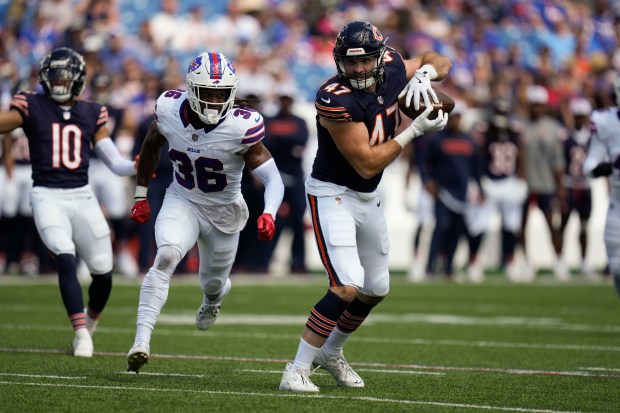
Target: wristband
[[429, 70], [408, 135], [140, 192]]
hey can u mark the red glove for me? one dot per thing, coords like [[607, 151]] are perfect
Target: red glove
[[141, 211], [266, 227]]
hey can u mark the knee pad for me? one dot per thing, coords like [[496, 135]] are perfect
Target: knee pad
[[216, 285], [167, 259], [379, 287], [100, 264]]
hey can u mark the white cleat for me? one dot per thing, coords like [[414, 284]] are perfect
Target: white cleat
[[138, 356], [297, 380], [91, 323], [475, 272], [561, 271], [127, 265], [208, 311], [82, 344], [339, 368]]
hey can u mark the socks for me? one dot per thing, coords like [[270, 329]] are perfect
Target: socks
[[305, 355]]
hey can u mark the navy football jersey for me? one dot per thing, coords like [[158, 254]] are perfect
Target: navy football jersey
[[501, 151], [575, 150], [336, 101], [59, 140]]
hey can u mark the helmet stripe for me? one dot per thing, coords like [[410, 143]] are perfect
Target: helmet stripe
[[216, 66]]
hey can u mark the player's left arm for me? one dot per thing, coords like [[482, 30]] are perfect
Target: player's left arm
[[262, 165], [7, 154], [109, 154], [420, 71], [10, 120]]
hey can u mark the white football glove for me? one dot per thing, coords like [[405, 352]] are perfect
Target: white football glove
[[421, 125], [420, 85]]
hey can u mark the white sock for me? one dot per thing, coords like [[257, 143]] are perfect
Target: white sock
[[305, 355], [335, 342], [153, 296]]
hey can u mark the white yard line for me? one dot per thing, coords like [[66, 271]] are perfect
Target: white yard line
[[405, 367], [43, 376], [358, 339], [293, 395]]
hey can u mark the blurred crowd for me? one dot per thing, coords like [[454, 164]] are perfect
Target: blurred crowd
[[498, 49]]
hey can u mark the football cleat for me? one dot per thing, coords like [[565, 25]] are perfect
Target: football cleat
[[339, 368], [297, 380], [138, 356], [208, 311], [82, 344]]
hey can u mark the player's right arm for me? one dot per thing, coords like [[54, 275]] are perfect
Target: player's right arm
[[10, 120], [148, 159], [352, 139], [150, 153]]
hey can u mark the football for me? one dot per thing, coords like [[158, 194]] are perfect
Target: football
[[446, 103]]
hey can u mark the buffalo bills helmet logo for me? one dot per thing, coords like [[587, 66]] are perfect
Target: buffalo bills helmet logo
[[195, 64]]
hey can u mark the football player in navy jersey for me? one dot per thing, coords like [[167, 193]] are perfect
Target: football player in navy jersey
[[357, 115], [211, 137], [578, 191], [60, 131]]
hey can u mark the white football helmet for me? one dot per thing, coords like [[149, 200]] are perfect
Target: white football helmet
[[211, 70]]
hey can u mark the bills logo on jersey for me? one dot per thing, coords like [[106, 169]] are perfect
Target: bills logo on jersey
[[195, 64]]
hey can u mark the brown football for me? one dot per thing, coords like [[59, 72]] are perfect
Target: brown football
[[446, 103]]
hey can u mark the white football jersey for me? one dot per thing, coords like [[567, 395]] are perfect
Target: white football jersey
[[208, 162], [605, 144]]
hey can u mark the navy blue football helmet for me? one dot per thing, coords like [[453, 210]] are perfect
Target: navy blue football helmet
[[62, 74], [360, 39]]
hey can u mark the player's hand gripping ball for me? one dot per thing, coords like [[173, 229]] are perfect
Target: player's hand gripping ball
[[446, 103]]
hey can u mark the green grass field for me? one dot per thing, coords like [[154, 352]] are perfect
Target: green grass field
[[432, 347]]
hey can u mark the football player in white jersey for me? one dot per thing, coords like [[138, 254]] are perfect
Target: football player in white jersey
[[603, 159], [211, 139]]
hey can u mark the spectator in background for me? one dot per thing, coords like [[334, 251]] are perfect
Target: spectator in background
[[451, 162], [578, 191], [503, 187], [110, 189], [424, 207], [544, 164], [286, 138]]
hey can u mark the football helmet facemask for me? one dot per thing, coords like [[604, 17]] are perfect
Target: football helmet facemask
[[211, 70], [360, 39], [62, 74]]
